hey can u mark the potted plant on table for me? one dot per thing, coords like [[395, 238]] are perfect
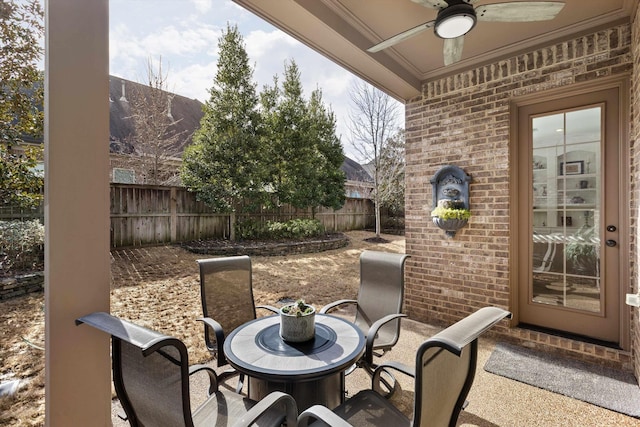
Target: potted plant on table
[[450, 216], [297, 322]]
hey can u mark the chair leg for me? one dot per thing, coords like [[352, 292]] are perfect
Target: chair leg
[[240, 384], [122, 415], [390, 383], [223, 376]]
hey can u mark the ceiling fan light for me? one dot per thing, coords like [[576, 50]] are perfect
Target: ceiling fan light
[[455, 20], [455, 26]]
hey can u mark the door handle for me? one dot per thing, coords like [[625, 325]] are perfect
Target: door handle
[[611, 228], [611, 243]]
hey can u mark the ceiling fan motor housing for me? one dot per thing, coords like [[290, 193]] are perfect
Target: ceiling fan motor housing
[[455, 20]]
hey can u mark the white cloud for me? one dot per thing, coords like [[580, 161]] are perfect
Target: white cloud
[[202, 6], [260, 43], [193, 81], [166, 41]]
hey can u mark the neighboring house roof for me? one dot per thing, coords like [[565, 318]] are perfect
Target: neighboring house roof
[[185, 111], [370, 168], [354, 171]]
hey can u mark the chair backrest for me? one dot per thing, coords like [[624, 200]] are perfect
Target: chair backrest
[[227, 294], [150, 372], [381, 293], [446, 366]]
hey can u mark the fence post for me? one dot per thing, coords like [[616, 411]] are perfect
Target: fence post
[[173, 219], [232, 228]]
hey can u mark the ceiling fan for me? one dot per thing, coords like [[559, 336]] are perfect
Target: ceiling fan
[[457, 17]]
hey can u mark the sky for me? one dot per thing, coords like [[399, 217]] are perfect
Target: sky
[[185, 34]]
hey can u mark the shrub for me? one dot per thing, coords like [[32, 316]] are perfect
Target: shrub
[[21, 246], [275, 230], [302, 228], [393, 222], [249, 229]]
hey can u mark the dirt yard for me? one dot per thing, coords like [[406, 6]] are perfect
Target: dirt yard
[[158, 288]]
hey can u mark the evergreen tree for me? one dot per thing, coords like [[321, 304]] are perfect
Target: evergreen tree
[[303, 151], [326, 188], [224, 164], [269, 99], [391, 172], [286, 130], [21, 100]]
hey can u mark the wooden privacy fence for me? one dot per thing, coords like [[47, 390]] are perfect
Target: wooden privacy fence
[[9, 213], [146, 215]]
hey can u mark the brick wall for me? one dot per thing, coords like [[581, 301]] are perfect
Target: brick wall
[[635, 190], [464, 120]]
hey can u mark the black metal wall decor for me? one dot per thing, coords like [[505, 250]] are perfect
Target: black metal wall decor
[[450, 199]]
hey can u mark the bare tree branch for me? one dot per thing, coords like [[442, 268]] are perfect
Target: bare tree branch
[[156, 140], [375, 136]]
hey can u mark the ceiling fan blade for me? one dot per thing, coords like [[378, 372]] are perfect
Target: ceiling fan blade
[[400, 37], [527, 11], [434, 4], [452, 50], [438, 4]]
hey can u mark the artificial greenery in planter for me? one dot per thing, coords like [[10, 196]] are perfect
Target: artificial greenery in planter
[[450, 215], [297, 322]]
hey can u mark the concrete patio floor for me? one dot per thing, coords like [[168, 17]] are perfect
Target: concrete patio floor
[[493, 400]]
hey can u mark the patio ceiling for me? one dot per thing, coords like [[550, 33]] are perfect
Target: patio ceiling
[[343, 30]]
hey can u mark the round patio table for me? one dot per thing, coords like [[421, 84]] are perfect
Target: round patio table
[[312, 372]]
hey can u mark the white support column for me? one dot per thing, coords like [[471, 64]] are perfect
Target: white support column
[[77, 271]]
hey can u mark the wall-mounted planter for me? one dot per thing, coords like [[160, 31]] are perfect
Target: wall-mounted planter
[[450, 199], [450, 226]]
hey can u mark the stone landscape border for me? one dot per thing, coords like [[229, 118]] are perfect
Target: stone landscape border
[[320, 244], [11, 287]]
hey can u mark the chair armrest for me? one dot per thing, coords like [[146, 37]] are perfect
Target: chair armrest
[[217, 329], [397, 366], [335, 304], [323, 414], [271, 400], [213, 377], [269, 307], [373, 331]]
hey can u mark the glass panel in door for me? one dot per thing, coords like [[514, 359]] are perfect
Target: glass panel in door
[[566, 149]]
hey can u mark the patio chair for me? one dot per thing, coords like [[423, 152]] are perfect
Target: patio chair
[[551, 241], [151, 377], [379, 304], [444, 371], [226, 291]]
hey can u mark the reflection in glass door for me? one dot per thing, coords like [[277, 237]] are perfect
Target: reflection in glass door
[[569, 206], [566, 201]]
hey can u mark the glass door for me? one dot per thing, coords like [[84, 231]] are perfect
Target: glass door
[[569, 206], [566, 206]]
